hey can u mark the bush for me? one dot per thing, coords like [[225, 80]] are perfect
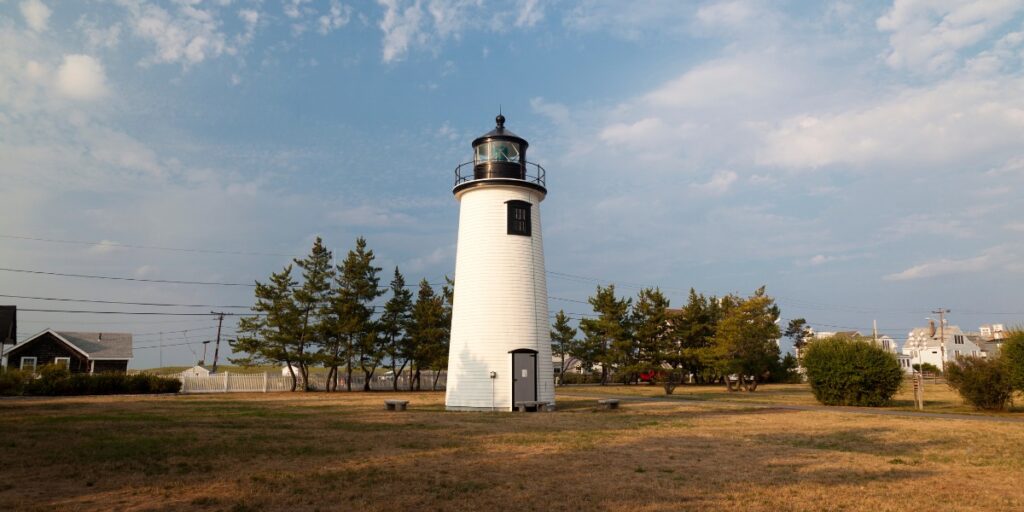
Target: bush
[[1012, 357], [844, 371], [928, 367], [982, 382], [12, 382], [56, 381]]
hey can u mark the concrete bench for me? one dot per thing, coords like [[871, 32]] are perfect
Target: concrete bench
[[608, 403], [395, 405], [535, 405]]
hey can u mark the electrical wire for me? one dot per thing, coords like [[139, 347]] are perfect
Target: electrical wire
[[116, 278], [149, 247], [93, 301]]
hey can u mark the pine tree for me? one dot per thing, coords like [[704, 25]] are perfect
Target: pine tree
[[746, 340], [427, 333], [563, 342], [606, 336], [394, 327], [694, 328], [271, 335], [312, 301], [653, 346], [353, 328]]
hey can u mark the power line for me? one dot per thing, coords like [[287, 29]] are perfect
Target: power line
[[127, 312], [115, 278], [149, 247], [124, 303]]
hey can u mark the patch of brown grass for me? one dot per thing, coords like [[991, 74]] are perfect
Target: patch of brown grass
[[343, 451], [938, 396]]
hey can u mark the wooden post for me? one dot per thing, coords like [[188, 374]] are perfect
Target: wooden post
[[265, 383], [225, 382]]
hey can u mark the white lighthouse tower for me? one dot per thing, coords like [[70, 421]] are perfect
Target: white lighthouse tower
[[500, 350]]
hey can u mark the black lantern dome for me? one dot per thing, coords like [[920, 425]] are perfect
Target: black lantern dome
[[499, 156]]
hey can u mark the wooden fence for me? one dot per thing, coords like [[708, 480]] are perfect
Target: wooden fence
[[228, 382]]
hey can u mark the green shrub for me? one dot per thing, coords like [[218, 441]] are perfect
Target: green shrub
[[982, 382], [928, 367], [1012, 357], [12, 382], [52, 381], [845, 371]]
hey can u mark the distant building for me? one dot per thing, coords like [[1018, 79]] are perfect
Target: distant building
[[79, 352], [990, 338], [196, 371], [937, 346]]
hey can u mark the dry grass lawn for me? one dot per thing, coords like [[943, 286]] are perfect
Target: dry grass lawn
[[938, 396], [344, 452]]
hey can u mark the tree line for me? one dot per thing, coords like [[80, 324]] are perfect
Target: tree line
[[729, 339], [329, 316]]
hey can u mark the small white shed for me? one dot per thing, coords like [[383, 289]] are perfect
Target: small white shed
[[196, 371]]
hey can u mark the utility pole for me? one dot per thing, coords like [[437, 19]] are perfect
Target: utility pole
[[942, 337], [216, 349]]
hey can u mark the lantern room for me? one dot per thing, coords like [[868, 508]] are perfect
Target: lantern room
[[499, 155]]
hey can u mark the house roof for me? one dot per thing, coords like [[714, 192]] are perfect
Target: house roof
[[94, 345], [101, 345]]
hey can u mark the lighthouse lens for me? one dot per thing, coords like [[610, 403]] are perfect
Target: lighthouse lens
[[497, 151]]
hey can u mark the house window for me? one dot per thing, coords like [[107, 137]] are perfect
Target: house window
[[519, 218], [28, 364], [958, 339], [63, 362]]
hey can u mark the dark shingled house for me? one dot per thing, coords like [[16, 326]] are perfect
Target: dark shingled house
[[82, 352]]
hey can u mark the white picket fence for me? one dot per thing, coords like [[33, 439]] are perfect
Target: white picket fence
[[228, 382]]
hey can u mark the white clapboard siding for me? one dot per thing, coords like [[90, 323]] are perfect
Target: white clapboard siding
[[501, 300]]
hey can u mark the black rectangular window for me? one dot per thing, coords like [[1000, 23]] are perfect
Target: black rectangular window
[[519, 218]]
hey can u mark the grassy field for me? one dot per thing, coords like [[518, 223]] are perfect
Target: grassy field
[[938, 396], [344, 452]]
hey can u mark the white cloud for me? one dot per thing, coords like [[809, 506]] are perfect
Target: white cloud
[[293, 8], [959, 120], [985, 261], [609, 16], [337, 16], [402, 27], [648, 129], [103, 247], [721, 82], [927, 35], [530, 13], [81, 77], [97, 37], [720, 183], [187, 36], [36, 14], [730, 14]]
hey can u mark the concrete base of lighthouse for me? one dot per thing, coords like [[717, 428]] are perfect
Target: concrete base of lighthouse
[[500, 312]]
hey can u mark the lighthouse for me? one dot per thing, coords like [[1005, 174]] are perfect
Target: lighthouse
[[500, 352]]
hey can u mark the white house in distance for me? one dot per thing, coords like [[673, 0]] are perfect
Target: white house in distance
[[937, 346], [195, 371], [500, 352], [886, 342]]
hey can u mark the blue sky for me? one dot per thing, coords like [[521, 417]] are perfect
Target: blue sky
[[864, 160]]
